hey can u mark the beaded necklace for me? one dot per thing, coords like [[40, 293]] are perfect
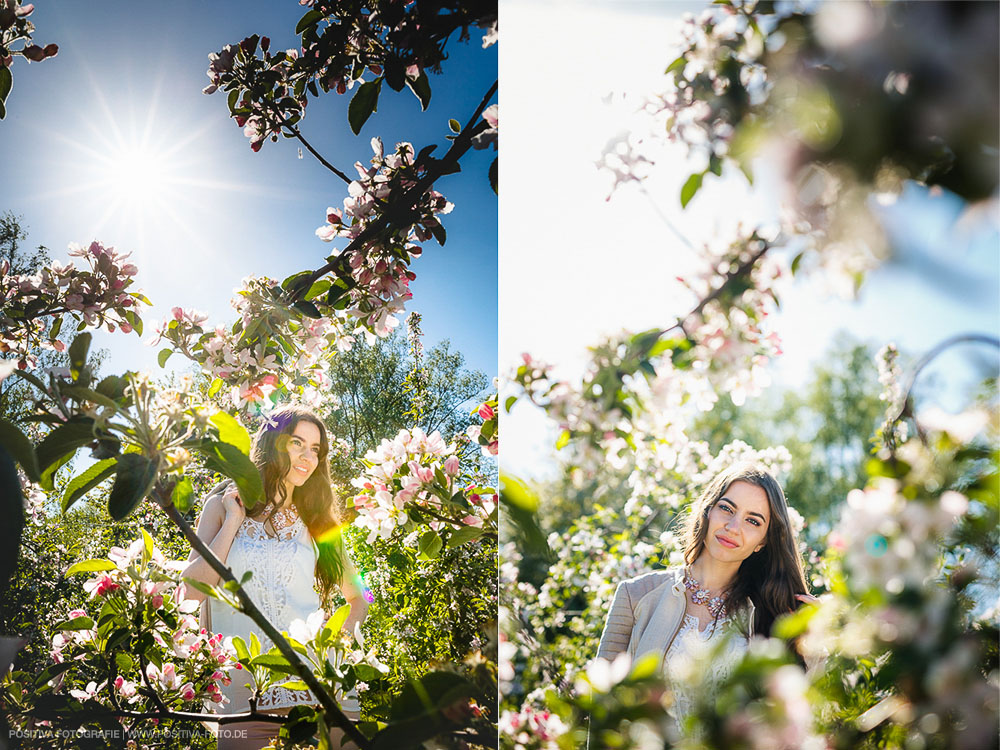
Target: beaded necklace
[[715, 605]]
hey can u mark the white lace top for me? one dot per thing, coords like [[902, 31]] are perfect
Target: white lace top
[[282, 586], [689, 666]]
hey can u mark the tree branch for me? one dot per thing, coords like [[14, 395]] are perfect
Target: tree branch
[[298, 134], [331, 709], [461, 144], [962, 338]]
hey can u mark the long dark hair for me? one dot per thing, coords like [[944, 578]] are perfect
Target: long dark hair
[[770, 578], [314, 500]]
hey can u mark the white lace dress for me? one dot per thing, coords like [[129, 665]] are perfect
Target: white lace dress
[[282, 587], [691, 666]]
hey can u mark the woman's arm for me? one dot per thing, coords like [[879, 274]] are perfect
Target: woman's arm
[[354, 595], [217, 526], [618, 627]]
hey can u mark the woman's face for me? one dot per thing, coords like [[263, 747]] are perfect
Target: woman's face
[[737, 523], [303, 452]]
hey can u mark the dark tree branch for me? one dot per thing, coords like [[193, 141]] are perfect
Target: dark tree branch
[[461, 144], [298, 134]]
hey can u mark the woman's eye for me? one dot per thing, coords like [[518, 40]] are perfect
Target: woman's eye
[[754, 521], [726, 508]]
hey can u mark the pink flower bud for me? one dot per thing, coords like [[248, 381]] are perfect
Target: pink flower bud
[[486, 411], [451, 466]]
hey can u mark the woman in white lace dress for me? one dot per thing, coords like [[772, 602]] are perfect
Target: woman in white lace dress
[[291, 546], [742, 571]]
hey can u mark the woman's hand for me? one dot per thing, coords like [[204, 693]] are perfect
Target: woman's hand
[[233, 506], [807, 598]]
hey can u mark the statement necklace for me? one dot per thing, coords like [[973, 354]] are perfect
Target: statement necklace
[[714, 604]]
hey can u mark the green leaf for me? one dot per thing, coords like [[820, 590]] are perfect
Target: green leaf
[[65, 439], [231, 431], [294, 685], [78, 353], [338, 618], [12, 512], [365, 102], [214, 387], [645, 667], [241, 648], [124, 661], [274, 662], [6, 83], [90, 566], [83, 483], [433, 691], [134, 480], [463, 535], [232, 462], [676, 65], [430, 545], [254, 645], [79, 393], [796, 262], [54, 330], [421, 88], [311, 18], [77, 623], [183, 495], [31, 379], [19, 447], [204, 588], [307, 308], [455, 125], [511, 400], [112, 386], [690, 188], [715, 165], [163, 356], [147, 547]]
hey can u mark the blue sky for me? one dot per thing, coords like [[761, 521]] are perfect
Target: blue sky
[[578, 266], [127, 82]]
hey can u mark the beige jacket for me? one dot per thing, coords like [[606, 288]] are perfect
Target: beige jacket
[[646, 614]]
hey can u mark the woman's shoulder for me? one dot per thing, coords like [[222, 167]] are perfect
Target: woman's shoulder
[[642, 584]]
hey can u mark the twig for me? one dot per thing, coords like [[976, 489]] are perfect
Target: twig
[[298, 134], [332, 711], [741, 271]]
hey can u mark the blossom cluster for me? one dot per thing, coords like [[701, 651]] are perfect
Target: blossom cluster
[[339, 46], [96, 294], [379, 266], [888, 540], [418, 476], [486, 435], [732, 345], [138, 584], [15, 27], [270, 348], [531, 729]]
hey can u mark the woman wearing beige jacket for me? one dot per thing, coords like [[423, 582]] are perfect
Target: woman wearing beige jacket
[[742, 571]]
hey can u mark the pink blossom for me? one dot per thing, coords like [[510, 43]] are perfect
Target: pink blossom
[[103, 585], [451, 466], [486, 412]]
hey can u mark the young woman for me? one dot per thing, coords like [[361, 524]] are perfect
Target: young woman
[[742, 571], [291, 546]]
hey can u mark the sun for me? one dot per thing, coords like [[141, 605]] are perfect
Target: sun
[[136, 175]]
